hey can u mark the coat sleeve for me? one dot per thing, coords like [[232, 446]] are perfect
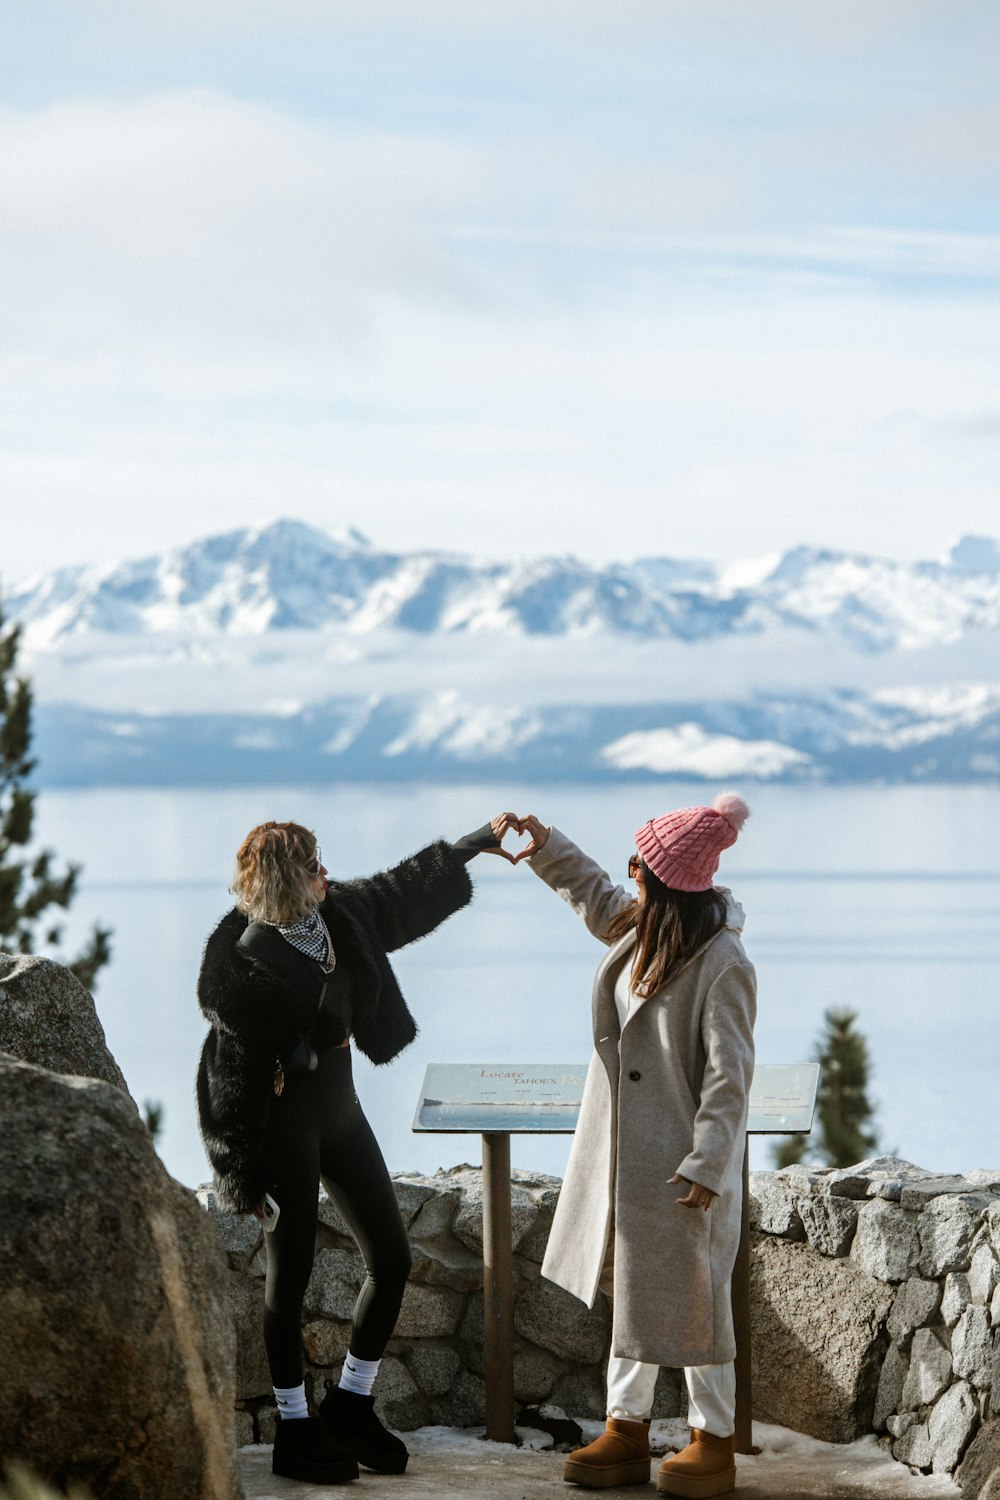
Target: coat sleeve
[[234, 1093], [410, 900], [580, 881], [727, 1020]]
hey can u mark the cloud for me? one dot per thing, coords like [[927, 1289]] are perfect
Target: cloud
[[510, 263], [850, 24]]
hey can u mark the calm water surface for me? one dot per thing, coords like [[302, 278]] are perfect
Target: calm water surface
[[883, 899]]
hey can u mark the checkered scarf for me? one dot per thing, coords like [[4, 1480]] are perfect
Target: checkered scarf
[[311, 937]]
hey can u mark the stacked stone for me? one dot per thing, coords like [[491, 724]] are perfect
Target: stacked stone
[[434, 1367], [920, 1278]]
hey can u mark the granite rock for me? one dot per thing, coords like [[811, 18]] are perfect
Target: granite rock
[[978, 1476], [817, 1340], [875, 1177], [885, 1243], [434, 1367], [465, 1404], [434, 1219], [552, 1318], [535, 1373], [972, 1347], [47, 1018], [334, 1284], [412, 1193], [955, 1297], [116, 1336], [246, 1302], [428, 1312], [890, 1387], [916, 1304], [950, 1426], [829, 1223], [467, 1225], [947, 1228], [930, 1370], [399, 1402], [984, 1275], [240, 1235], [775, 1199], [914, 1447], [581, 1392]]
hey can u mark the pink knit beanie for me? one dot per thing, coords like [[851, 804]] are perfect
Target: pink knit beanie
[[682, 848]]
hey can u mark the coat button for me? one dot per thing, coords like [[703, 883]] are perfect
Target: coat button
[[635, 1075]]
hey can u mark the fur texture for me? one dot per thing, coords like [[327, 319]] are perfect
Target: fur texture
[[256, 1015]]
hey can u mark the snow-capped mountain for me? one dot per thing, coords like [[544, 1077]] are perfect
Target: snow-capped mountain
[[284, 653], [289, 576], [840, 736]]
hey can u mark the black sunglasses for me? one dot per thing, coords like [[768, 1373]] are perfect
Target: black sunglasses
[[635, 864]]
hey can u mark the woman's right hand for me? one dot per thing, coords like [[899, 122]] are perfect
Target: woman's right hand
[[526, 823]]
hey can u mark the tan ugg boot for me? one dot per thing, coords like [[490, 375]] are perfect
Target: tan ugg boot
[[707, 1466], [619, 1456]]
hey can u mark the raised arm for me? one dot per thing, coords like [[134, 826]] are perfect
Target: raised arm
[[574, 876], [415, 896]]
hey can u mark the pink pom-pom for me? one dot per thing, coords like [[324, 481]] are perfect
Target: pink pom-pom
[[732, 808]]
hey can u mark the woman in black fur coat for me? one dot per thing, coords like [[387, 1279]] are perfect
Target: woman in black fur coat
[[295, 970]]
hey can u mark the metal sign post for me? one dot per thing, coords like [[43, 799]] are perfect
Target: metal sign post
[[497, 1101], [502, 1099]]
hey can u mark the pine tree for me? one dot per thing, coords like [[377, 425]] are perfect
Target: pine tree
[[31, 886], [845, 1113]]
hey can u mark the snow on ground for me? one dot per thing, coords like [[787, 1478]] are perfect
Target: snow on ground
[[860, 1463], [450, 1464]]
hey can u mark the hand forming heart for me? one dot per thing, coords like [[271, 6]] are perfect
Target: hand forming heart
[[508, 822]]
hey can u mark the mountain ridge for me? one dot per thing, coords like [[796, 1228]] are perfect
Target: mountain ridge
[[282, 652], [289, 575]]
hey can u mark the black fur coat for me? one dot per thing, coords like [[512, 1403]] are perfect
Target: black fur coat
[[256, 1015]]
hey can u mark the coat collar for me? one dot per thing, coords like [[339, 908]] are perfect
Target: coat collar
[[735, 915]]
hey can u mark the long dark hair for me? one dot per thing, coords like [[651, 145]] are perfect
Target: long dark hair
[[670, 925]]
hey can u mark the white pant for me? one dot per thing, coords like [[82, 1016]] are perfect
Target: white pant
[[711, 1394]]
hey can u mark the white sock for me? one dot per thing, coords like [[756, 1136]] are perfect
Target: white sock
[[291, 1402], [358, 1375]]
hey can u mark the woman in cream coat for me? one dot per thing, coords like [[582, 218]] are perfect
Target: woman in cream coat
[[650, 1207]]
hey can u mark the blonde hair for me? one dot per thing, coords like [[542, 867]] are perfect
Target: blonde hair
[[271, 879]]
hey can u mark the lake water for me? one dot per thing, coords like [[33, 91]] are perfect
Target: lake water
[[883, 899]]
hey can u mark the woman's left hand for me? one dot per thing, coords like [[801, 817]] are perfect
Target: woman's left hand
[[697, 1196]]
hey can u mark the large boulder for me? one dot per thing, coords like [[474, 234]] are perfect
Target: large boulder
[[979, 1473], [116, 1339], [817, 1340], [48, 1018]]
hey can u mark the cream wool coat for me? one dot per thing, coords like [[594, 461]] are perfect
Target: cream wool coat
[[668, 1093]]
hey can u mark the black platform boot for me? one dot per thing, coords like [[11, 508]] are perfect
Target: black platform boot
[[352, 1420], [308, 1449]]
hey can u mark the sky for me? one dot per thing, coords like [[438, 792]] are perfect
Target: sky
[[708, 278]]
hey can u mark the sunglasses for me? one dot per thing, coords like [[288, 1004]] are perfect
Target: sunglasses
[[635, 864], [316, 863]]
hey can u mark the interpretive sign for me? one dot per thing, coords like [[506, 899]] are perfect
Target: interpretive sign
[[498, 1100], [482, 1097], [471, 1098], [782, 1099]]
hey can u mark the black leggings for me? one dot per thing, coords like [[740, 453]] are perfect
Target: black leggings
[[318, 1130]]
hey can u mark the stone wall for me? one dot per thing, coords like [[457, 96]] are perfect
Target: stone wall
[[875, 1299], [922, 1253], [433, 1370]]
